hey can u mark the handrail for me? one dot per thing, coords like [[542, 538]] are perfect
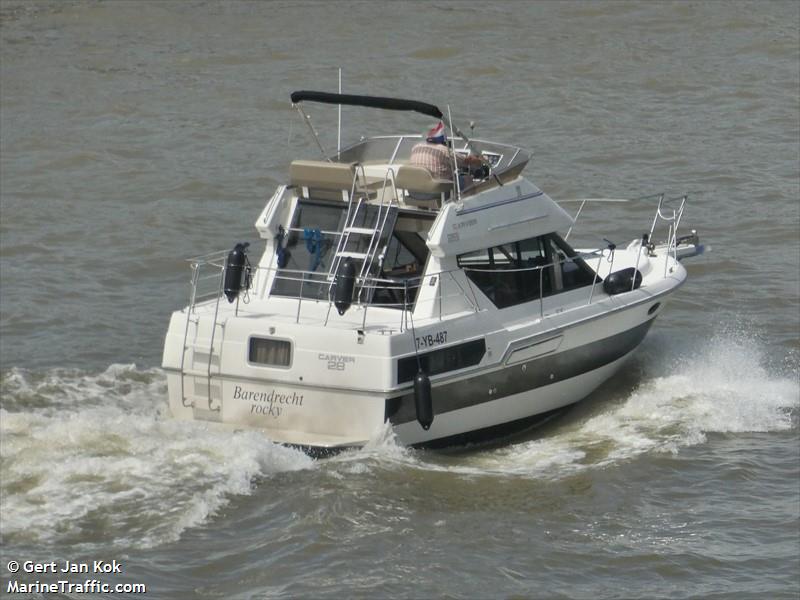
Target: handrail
[[673, 222], [462, 286], [213, 335], [662, 213], [385, 208], [380, 149], [195, 272]]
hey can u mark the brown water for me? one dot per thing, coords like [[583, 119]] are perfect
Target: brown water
[[135, 134]]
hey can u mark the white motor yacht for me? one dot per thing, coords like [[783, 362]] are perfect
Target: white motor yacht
[[453, 309]]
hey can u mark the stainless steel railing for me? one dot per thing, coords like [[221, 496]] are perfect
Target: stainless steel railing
[[208, 273], [403, 293]]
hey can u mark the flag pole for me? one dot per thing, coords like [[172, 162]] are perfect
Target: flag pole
[[339, 135]]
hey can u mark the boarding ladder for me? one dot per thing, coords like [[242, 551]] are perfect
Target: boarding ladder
[[364, 223], [201, 357]]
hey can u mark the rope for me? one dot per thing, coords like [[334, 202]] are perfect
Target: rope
[[313, 238], [248, 279]]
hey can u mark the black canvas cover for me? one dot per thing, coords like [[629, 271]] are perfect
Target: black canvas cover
[[368, 101]]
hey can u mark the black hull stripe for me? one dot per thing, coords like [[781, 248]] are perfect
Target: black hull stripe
[[496, 434], [513, 380]]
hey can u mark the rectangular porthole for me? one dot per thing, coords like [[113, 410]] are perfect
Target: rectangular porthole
[[447, 359], [270, 352]]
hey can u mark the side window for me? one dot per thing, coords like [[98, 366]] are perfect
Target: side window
[[479, 266], [509, 274], [401, 269], [538, 274], [441, 361], [526, 270], [401, 260], [574, 272]]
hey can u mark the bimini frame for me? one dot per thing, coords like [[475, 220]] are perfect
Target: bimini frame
[[384, 103]]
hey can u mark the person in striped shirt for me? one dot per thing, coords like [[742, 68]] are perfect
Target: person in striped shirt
[[435, 155]]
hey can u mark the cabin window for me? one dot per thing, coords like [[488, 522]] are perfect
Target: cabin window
[[406, 253], [270, 352], [443, 360], [526, 270], [574, 272], [309, 245], [403, 264]]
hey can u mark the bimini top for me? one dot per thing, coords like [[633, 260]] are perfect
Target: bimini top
[[368, 101]]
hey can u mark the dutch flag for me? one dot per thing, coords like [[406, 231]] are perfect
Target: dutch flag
[[437, 135]]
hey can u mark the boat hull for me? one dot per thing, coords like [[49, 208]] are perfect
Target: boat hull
[[509, 414], [537, 372], [523, 389], [290, 414]]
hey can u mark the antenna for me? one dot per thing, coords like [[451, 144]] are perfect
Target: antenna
[[456, 183], [339, 135]]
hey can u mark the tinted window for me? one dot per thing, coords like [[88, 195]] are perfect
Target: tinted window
[[509, 274], [526, 270], [575, 273], [311, 242], [308, 246], [267, 351], [441, 361], [402, 268]]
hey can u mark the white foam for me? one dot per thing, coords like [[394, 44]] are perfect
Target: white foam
[[98, 453], [724, 385], [381, 451]]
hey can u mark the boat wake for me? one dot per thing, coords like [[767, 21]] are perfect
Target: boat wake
[[90, 458], [96, 458], [668, 401]]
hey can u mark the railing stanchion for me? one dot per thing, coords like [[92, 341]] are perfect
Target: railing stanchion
[[213, 334], [596, 275], [471, 291], [440, 286], [575, 220], [189, 310], [666, 256], [658, 213], [541, 294], [642, 246], [364, 305], [404, 315], [300, 298]]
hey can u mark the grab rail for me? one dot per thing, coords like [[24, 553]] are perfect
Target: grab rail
[[672, 220], [664, 212], [406, 289], [209, 268]]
